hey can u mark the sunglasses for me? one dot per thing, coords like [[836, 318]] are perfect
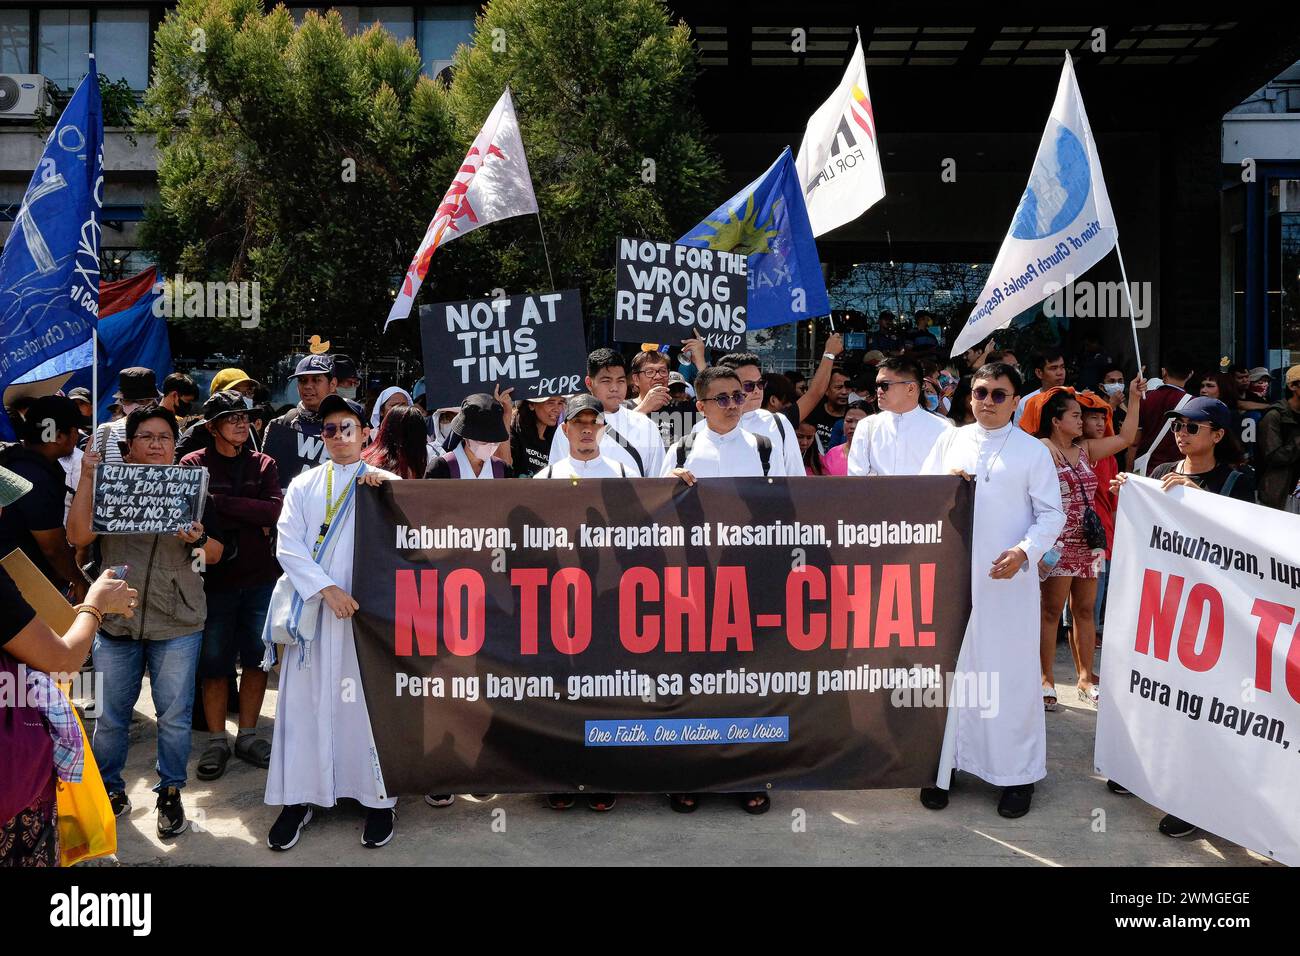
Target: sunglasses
[[982, 394], [1191, 428], [750, 386], [336, 430], [235, 418], [884, 386], [725, 401]]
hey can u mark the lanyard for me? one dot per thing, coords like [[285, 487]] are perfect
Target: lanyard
[[332, 504]]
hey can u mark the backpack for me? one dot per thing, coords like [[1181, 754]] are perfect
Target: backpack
[[764, 450]]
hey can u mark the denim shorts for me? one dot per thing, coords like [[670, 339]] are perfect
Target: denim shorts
[[233, 631]]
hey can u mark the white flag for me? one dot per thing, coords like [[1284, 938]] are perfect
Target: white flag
[[493, 183], [839, 161], [1062, 226]]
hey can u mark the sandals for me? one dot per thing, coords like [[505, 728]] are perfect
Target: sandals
[[560, 801], [601, 802], [755, 803], [1049, 698], [684, 802], [212, 764], [257, 752], [1090, 696]]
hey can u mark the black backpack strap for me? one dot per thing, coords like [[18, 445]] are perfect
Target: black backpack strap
[[684, 448], [780, 427], [764, 452], [1231, 480], [628, 447], [498, 468]]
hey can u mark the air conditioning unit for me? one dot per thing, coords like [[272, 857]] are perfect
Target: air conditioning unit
[[22, 95]]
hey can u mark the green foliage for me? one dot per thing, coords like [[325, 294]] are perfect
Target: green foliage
[[255, 120], [301, 158]]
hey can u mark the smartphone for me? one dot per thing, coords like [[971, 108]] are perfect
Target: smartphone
[[120, 571]]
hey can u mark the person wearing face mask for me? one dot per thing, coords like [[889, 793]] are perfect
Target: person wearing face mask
[[481, 427], [198, 436], [441, 438], [136, 388], [179, 393], [345, 375]]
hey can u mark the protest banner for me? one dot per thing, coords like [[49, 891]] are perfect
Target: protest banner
[[666, 291], [619, 636], [534, 343], [293, 451], [1202, 664], [148, 499]]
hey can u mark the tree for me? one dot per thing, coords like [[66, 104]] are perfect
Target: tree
[[301, 158], [603, 90]]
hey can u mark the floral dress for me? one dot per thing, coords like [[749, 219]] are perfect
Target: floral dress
[[1078, 488]]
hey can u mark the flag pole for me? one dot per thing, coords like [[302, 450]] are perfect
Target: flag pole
[[542, 231], [94, 378], [1132, 315]]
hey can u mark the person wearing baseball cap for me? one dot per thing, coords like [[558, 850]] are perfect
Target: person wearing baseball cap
[[244, 496], [1277, 445], [1202, 430], [584, 424], [314, 375], [321, 754], [532, 432]]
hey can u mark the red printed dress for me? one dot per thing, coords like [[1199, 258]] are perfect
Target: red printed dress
[[1078, 488]]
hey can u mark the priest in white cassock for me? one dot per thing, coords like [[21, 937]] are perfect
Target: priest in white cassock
[[1018, 517], [323, 748], [897, 439], [778, 429], [583, 426], [629, 437]]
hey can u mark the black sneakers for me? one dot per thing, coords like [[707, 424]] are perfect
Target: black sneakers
[[1172, 826], [120, 803], [379, 827], [288, 826], [171, 814]]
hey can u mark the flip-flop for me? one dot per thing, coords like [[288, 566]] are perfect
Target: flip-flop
[[560, 801], [212, 763], [1049, 698], [764, 803], [684, 802]]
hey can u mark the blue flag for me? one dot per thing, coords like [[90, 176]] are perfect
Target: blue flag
[[49, 270], [768, 221]]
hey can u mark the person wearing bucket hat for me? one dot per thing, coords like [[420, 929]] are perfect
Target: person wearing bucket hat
[[244, 496], [41, 741], [137, 388], [481, 426]]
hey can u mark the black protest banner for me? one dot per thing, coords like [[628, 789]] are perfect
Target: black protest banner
[[533, 343], [293, 451], [664, 292], [630, 636], [148, 499]]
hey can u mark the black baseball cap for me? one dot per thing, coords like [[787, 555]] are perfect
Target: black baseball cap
[[314, 365], [337, 403], [585, 402], [1203, 409]]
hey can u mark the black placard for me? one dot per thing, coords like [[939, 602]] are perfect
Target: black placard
[[665, 292], [293, 451], [147, 499], [534, 343]]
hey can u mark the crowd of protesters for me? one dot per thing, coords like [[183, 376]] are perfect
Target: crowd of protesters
[[1051, 435]]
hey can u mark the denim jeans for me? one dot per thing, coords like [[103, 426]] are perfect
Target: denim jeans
[[171, 665]]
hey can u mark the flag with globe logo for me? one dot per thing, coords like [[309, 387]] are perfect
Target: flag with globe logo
[[1062, 227], [768, 221]]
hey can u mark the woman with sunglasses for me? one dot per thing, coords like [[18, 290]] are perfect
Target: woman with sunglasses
[[1055, 417]]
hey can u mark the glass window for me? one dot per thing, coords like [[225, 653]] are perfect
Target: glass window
[[441, 30], [63, 46], [399, 21], [122, 46], [15, 41]]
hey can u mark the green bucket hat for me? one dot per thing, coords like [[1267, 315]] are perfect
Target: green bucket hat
[[12, 487]]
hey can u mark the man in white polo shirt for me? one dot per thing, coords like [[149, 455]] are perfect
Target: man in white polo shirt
[[897, 439], [629, 437], [583, 426], [778, 428]]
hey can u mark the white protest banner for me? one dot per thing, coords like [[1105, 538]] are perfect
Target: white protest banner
[[1062, 227], [839, 158], [493, 183], [664, 291], [1200, 703]]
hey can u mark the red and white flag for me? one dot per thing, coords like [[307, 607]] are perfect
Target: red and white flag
[[493, 184]]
